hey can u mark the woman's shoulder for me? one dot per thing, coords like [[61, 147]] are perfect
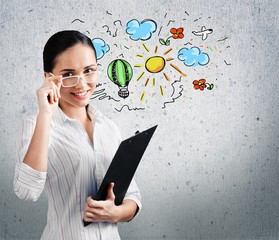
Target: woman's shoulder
[[26, 123]]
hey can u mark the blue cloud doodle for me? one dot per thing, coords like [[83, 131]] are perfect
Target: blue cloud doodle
[[101, 47], [141, 30], [193, 57]]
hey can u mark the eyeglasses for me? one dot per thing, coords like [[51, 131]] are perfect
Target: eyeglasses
[[72, 81]]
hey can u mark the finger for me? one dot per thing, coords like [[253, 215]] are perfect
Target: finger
[[95, 213], [95, 205], [53, 92], [87, 219], [91, 212], [56, 92], [88, 208], [110, 191], [89, 215], [57, 79], [50, 96], [57, 82], [55, 98], [54, 79], [91, 203], [58, 87], [51, 78], [110, 187]]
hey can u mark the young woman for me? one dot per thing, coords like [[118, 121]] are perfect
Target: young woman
[[67, 147]]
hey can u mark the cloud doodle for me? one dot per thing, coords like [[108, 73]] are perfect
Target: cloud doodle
[[193, 57], [141, 30], [101, 47]]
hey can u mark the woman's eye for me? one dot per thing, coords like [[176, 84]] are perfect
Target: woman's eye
[[89, 70], [67, 74]]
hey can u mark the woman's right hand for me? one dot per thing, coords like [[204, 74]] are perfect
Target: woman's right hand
[[48, 94]]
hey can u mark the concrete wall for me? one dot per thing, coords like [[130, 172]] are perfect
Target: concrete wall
[[211, 170]]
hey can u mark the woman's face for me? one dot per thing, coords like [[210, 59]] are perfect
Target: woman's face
[[77, 60]]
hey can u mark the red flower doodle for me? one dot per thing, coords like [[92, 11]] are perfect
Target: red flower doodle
[[177, 32], [201, 85]]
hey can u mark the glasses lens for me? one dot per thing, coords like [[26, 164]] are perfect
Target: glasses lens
[[91, 76], [69, 81]]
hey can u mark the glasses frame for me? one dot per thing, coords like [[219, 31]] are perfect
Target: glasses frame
[[78, 76]]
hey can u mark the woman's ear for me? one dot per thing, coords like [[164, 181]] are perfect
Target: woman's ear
[[48, 74]]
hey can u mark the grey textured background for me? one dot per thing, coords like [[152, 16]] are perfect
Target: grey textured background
[[211, 170]]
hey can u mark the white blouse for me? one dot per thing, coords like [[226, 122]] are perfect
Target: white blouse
[[75, 171]]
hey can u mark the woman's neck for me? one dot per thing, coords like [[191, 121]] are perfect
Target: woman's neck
[[80, 114]]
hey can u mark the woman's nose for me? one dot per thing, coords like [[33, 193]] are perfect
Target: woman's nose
[[81, 82]]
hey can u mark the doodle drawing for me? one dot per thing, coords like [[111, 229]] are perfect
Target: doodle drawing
[[203, 33], [177, 33], [120, 73]]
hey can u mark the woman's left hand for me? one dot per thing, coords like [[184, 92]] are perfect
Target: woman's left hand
[[101, 211]]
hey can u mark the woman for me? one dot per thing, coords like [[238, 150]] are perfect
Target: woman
[[67, 147]]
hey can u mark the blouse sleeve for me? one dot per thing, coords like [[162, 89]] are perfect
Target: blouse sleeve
[[133, 193], [28, 182]]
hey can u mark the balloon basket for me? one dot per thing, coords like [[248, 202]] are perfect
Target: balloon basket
[[123, 92]]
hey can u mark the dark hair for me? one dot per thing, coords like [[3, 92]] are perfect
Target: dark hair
[[61, 41]]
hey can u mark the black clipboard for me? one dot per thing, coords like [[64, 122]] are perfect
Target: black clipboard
[[124, 165]]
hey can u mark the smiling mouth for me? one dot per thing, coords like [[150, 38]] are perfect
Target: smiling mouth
[[81, 94]]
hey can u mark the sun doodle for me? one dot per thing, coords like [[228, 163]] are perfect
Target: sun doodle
[[155, 64]]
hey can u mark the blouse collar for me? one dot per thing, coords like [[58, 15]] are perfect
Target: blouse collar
[[59, 117]]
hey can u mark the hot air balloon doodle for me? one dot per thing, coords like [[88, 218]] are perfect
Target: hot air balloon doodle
[[120, 73]]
